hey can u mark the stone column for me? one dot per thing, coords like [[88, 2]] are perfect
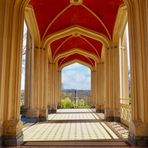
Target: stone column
[[37, 102], [53, 87], [31, 111], [138, 35], [116, 84], [2, 63], [112, 85], [100, 88], [109, 85], [59, 88], [93, 87], [10, 77], [31, 84], [43, 85]]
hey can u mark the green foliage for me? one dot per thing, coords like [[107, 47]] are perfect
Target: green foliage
[[66, 103], [22, 109], [83, 104], [130, 100]]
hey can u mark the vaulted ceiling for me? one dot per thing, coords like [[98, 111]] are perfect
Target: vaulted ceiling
[[76, 56], [53, 16], [77, 42]]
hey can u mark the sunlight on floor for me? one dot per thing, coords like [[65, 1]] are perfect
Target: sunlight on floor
[[74, 124]]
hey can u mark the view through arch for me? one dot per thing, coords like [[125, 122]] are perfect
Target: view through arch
[[76, 86]]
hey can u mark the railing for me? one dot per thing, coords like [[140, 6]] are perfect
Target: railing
[[125, 113]]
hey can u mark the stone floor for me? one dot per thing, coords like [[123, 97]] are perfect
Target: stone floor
[[75, 124], [71, 128]]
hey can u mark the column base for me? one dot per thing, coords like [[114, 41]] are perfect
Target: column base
[[43, 115], [109, 118], [0, 141], [112, 119], [98, 110], [138, 140], [12, 140], [49, 111], [30, 115], [12, 135], [112, 115], [1, 135], [30, 119], [109, 115], [138, 133], [53, 110]]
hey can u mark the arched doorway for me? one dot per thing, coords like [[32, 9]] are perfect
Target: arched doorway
[[76, 86]]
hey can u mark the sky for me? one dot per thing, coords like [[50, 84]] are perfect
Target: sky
[[76, 76]]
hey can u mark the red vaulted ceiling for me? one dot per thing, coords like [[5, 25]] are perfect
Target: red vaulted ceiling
[[76, 42], [95, 15], [76, 56]]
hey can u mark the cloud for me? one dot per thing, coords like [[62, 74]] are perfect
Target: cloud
[[73, 66], [76, 76]]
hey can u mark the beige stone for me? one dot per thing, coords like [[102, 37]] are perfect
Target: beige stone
[[12, 128], [43, 77]]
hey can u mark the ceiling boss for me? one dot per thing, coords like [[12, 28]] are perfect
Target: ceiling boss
[[76, 2]]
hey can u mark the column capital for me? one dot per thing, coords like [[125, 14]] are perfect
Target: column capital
[[52, 63], [100, 63], [112, 47], [93, 71], [123, 48], [37, 48]]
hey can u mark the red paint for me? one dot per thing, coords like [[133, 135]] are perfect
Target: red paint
[[79, 42], [76, 57], [47, 10]]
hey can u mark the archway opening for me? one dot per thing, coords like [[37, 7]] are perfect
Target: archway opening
[[26, 91], [24, 49], [76, 86], [125, 78]]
